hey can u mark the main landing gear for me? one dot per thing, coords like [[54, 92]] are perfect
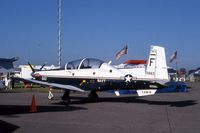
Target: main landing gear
[[66, 97], [93, 97]]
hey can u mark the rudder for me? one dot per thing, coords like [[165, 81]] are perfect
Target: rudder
[[157, 66]]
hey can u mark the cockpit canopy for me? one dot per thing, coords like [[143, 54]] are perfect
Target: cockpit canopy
[[85, 63]]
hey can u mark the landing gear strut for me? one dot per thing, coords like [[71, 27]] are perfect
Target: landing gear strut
[[93, 97], [66, 97]]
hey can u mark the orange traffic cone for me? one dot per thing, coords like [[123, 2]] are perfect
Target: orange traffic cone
[[33, 107]]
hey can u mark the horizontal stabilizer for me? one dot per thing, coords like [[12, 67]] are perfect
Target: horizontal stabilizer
[[146, 92]]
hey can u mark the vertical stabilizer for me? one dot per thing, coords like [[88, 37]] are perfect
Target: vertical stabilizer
[[157, 66]]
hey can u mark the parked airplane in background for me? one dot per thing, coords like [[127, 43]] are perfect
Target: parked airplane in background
[[2, 85], [94, 75], [6, 67]]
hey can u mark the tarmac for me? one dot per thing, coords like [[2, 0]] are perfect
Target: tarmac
[[160, 113]]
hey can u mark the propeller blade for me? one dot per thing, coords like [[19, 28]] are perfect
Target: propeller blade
[[33, 70], [42, 66]]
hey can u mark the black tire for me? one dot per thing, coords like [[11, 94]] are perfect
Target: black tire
[[93, 96], [67, 101], [66, 98]]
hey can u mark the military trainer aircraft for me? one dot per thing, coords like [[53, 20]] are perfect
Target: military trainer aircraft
[[95, 75]]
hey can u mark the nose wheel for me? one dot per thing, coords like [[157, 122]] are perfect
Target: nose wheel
[[93, 96]]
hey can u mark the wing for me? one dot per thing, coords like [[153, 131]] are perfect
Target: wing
[[61, 86]]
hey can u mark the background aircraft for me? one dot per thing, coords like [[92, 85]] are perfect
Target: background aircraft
[[6, 67], [2, 85]]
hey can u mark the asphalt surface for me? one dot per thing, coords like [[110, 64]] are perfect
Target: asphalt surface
[[160, 113]]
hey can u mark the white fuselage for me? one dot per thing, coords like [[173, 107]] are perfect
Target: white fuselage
[[104, 72], [90, 68]]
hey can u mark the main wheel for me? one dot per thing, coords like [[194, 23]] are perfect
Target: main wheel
[[93, 96], [66, 98]]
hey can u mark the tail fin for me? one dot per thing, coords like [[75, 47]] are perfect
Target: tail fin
[[157, 66]]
